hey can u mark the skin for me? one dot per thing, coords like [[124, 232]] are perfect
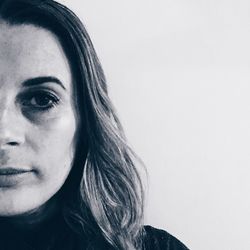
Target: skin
[[37, 123]]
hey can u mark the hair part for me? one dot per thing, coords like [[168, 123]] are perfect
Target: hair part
[[103, 195]]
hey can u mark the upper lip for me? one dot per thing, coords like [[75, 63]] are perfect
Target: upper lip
[[12, 171]]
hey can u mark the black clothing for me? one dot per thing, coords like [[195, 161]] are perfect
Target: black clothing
[[157, 239], [56, 235]]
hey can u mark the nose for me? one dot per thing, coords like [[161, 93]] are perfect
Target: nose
[[11, 132]]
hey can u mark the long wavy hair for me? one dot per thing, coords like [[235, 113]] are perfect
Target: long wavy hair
[[102, 197]]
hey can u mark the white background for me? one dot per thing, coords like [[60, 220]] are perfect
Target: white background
[[178, 73]]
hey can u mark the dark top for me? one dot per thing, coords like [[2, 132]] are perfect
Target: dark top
[[157, 239], [60, 237]]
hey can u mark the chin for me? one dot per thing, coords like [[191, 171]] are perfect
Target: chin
[[8, 209], [17, 202]]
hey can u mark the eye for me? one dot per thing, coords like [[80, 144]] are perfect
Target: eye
[[39, 100]]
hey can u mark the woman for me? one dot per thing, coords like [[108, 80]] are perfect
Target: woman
[[67, 177]]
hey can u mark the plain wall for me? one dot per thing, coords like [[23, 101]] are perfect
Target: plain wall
[[178, 73]]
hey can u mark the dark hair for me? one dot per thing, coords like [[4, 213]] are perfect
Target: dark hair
[[103, 195]]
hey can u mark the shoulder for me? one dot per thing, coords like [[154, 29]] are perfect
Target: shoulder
[[158, 239]]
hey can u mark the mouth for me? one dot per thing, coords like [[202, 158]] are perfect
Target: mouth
[[13, 171], [10, 177]]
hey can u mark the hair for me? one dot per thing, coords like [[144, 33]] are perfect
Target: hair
[[103, 194]]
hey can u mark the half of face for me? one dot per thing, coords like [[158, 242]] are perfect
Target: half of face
[[37, 118]]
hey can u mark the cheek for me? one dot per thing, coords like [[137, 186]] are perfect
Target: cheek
[[54, 146], [49, 150]]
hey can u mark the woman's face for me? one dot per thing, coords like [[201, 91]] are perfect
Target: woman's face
[[37, 118]]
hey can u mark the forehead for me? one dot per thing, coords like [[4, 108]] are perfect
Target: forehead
[[29, 51]]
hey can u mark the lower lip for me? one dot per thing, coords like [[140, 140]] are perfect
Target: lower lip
[[10, 180]]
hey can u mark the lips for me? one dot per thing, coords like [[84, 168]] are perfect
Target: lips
[[12, 171], [11, 177]]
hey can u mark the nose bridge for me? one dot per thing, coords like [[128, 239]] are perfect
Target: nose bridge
[[10, 122], [6, 108]]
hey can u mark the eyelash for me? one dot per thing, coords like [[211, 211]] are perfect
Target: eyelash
[[52, 99]]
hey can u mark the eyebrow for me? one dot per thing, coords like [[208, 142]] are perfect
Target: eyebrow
[[41, 80]]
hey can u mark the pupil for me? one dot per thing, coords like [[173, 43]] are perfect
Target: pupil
[[42, 101]]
